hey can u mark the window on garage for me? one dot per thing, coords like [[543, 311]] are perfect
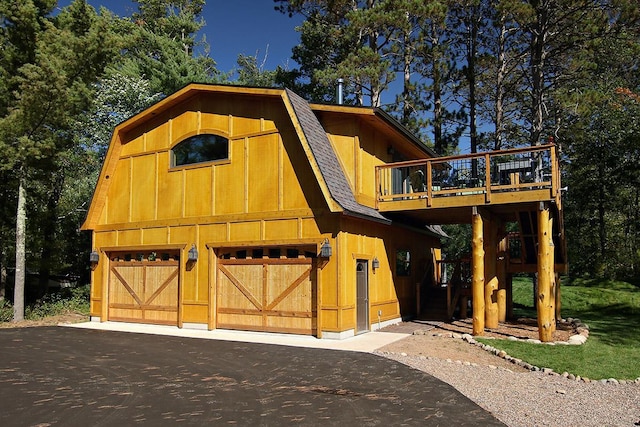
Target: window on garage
[[200, 149], [274, 253]]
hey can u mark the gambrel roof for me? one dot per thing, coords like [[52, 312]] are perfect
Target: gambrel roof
[[327, 160], [313, 138]]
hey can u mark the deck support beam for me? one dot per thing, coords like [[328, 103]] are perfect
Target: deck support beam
[[501, 273], [477, 274], [509, 284], [491, 310], [546, 276], [558, 300]]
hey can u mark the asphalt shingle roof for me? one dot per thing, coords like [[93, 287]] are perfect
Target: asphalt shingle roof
[[327, 161]]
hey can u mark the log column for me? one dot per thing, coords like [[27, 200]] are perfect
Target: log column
[[546, 276], [558, 300], [477, 274], [509, 285], [501, 273], [490, 273]]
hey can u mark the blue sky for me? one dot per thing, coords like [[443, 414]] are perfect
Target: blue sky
[[234, 27]]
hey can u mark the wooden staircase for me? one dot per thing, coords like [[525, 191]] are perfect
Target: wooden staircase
[[448, 293]]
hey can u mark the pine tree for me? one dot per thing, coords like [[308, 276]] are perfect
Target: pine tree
[[49, 66], [162, 45]]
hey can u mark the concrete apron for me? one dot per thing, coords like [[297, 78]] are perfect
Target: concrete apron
[[366, 343]]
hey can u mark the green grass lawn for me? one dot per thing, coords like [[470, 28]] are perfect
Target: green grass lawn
[[612, 311]]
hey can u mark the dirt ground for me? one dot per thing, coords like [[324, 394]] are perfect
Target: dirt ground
[[434, 339], [47, 321]]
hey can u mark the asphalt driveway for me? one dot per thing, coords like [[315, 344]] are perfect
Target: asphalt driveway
[[66, 376]]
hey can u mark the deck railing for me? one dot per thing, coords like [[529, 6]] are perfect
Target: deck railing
[[495, 172]]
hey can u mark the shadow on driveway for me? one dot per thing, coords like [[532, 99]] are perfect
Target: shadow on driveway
[[66, 376]]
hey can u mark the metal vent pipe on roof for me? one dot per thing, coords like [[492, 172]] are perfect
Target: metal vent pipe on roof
[[339, 94]]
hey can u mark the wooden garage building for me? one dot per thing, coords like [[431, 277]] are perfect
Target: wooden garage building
[[261, 185], [251, 209]]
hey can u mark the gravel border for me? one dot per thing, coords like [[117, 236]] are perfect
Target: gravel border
[[539, 397], [535, 398]]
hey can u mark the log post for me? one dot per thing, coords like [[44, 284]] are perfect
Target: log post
[[490, 274], [509, 296], [552, 278], [477, 274], [558, 300], [545, 270], [502, 273], [464, 301]]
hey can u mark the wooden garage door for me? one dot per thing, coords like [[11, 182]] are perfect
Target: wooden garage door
[[273, 295], [143, 287]]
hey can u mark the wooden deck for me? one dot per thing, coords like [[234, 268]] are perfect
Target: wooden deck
[[444, 188], [510, 185]]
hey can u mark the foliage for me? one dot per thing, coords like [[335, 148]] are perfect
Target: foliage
[[54, 131], [612, 311], [161, 45], [73, 300], [118, 97], [509, 73], [603, 159], [458, 245], [50, 64], [6, 311], [65, 301], [252, 74]]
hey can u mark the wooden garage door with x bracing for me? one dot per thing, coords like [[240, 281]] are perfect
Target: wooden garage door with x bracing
[[272, 295], [143, 287]]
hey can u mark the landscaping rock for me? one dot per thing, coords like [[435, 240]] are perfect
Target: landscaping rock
[[577, 339]]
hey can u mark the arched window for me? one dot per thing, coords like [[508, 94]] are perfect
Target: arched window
[[200, 149]]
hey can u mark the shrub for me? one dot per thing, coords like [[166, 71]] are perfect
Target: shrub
[[6, 311], [68, 300]]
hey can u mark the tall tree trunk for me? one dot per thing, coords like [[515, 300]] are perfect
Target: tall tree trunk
[[375, 84], [500, 89], [406, 82], [21, 224], [472, 39], [602, 235], [539, 31], [438, 143], [3, 273], [48, 233]]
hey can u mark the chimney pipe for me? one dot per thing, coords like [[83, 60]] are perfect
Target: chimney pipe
[[339, 94]]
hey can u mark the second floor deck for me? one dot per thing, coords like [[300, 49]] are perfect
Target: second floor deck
[[505, 181]]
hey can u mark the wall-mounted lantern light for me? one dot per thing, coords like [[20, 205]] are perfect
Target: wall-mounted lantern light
[[94, 257], [192, 256], [375, 264], [326, 250]]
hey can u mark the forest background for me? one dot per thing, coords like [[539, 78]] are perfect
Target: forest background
[[487, 74]]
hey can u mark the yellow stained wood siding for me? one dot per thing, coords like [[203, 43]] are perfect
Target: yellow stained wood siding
[[359, 149], [197, 192], [265, 191], [170, 190], [390, 293], [263, 166], [263, 195], [143, 183], [259, 175]]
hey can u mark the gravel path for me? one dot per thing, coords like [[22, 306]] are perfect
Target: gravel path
[[535, 398]]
